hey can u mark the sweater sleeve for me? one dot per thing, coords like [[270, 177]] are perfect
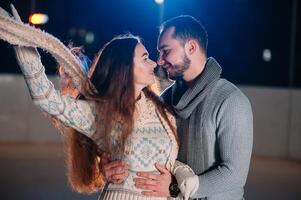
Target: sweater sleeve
[[234, 132], [72, 112], [188, 182]]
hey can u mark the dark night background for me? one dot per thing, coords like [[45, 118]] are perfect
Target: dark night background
[[32, 153], [239, 31]]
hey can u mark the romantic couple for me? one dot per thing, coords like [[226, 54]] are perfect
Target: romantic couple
[[194, 141]]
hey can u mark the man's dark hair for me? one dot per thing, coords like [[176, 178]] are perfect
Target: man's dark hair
[[186, 27]]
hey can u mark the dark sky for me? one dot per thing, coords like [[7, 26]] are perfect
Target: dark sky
[[239, 31]]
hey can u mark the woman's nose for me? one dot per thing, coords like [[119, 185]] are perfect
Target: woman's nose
[[154, 64]]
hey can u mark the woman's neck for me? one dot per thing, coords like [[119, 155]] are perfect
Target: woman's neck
[[138, 90]]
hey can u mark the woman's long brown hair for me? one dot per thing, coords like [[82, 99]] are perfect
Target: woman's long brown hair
[[112, 76]]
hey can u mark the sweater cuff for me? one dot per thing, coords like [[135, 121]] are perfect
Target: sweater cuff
[[189, 186], [188, 182]]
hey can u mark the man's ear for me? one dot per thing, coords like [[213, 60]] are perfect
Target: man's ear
[[191, 47]]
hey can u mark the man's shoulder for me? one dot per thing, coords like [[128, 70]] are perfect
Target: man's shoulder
[[224, 84], [224, 89]]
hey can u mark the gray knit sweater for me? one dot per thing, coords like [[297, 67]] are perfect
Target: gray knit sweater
[[215, 127]]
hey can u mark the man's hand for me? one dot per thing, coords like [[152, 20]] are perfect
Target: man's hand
[[114, 171], [154, 184]]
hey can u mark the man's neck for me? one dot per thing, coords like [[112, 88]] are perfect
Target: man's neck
[[194, 71]]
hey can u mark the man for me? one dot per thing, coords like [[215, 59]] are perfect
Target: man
[[214, 118]]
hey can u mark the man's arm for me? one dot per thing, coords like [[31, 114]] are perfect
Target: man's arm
[[235, 140], [113, 171]]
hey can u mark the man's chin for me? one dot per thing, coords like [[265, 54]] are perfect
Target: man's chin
[[175, 77]]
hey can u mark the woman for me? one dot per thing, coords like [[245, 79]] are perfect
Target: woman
[[115, 111]]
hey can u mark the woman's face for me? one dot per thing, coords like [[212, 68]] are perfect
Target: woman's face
[[143, 67]]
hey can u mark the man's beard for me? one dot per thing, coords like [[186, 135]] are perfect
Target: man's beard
[[179, 68]]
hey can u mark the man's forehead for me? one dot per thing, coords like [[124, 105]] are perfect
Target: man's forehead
[[166, 39]]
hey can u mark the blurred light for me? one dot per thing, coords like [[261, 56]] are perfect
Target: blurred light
[[82, 32], [38, 18], [159, 1], [89, 37], [267, 55]]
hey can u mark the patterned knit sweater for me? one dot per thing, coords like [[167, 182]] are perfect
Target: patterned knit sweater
[[151, 141]]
